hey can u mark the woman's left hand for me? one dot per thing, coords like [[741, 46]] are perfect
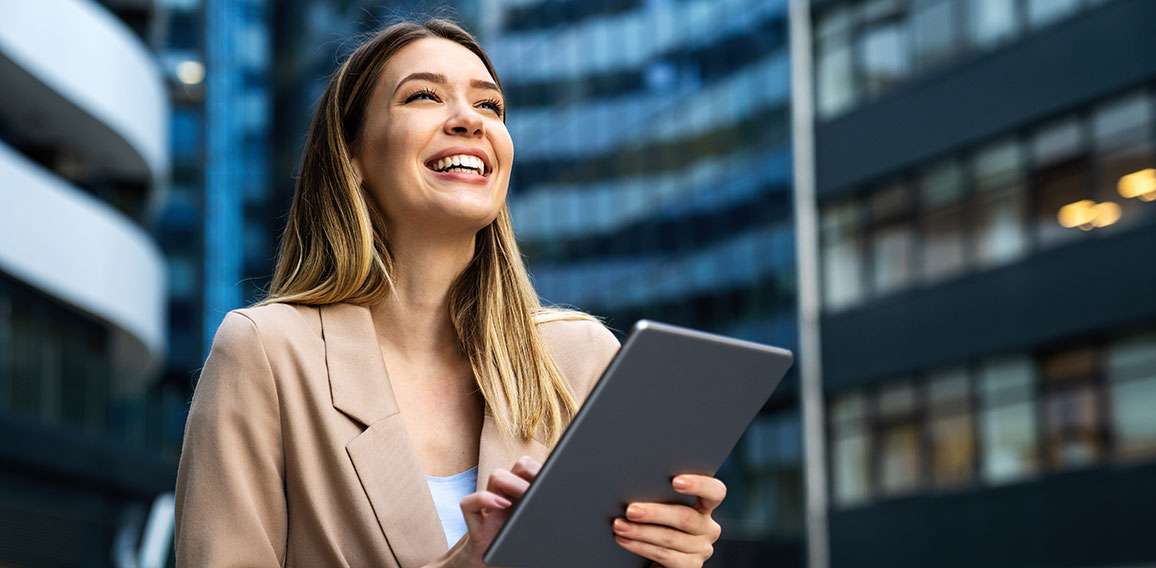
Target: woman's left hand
[[674, 536]]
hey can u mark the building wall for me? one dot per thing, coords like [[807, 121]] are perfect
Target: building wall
[[989, 335]]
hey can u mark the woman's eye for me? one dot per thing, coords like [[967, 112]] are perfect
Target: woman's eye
[[494, 106], [422, 96]]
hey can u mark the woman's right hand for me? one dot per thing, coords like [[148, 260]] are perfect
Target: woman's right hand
[[486, 511]]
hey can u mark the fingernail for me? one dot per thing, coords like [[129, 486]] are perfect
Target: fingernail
[[619, 525], [681, 483], [634, 512], [503, 502]]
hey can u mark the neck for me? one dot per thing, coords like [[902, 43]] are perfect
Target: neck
[[414, 319]]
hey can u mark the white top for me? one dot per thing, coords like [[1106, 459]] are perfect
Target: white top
[[448, 493]]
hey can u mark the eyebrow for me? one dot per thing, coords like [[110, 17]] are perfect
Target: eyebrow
[[442, 80]]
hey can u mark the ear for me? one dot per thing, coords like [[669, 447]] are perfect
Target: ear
[[356, 164]]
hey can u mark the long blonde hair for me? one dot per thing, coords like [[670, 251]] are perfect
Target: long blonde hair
[[334, 249]]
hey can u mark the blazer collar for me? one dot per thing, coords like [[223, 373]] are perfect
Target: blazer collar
[[383, 455]]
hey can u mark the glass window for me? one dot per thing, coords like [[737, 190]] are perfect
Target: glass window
[[934, 32], [1000, 206], [1045, 12], [991, 21], [842, 255], [851, 443], [1122, 142], [1132, 390], [1007, 420], [835, 73], [940, 191], [883, 54], [1059, 180], [1073, 433], [892, 242], [899, 445], [950, 427]]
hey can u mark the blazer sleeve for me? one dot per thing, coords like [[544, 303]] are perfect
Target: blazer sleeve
[[230, 496]]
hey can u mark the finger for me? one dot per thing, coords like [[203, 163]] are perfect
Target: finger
[[664, 537], [476, 503], [507, 484], [527, 468], [710, 491], [664, 556], [680, 517]]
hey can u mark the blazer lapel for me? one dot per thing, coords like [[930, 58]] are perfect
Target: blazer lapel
[[383, 455]]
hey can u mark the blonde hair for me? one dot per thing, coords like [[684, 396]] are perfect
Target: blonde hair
[[334, 249]]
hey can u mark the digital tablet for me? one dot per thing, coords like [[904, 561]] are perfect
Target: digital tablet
[[672, 401]]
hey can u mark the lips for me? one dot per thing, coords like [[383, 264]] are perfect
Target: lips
[[462, 160]]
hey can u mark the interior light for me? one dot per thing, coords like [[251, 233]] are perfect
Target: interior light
[[1087, 214], [1077, 214], [1140, 184], [1106, 213], [190, 72]]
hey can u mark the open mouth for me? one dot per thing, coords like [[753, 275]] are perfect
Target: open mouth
[[460, 163]]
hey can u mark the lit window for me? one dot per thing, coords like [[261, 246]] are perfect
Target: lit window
[[892, 242], [899, 439], [940, 192], [1072, 425], [951, 428]]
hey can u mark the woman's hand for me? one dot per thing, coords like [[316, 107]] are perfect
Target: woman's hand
[[674, 536], [486, 511]]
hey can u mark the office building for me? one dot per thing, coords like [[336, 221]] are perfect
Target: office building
[[986, 192], [652, 180]]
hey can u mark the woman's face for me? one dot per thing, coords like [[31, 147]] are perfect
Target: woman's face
[[434, 151]]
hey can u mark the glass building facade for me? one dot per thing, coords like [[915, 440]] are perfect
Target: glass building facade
[[652, 180], [986, 185]]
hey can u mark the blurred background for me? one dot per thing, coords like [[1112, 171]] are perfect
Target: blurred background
[[981, 206]]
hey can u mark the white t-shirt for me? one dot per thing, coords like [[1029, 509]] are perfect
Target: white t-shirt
[[448, 493]]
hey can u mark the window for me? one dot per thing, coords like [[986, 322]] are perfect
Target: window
[[940, 193], [1000, 208], [934, 35], [842, 255], [1072, 426], [883, 55], [1007, 420], [1046, 12], [1122, 146], [835, 72], [892, 243], [950, 427], [1058, 179], [850, 448], [899, 444], [991, 22], [1132, 393], [772, 457]]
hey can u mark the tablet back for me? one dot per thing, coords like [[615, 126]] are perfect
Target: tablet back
[[672, 401]]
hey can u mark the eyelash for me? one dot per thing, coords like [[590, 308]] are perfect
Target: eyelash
[[495, 103]]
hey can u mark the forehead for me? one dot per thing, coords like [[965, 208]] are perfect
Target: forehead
[[435, 55]]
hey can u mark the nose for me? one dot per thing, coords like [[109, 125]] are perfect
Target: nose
[[464, 121]]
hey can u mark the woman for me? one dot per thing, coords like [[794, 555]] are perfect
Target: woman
[[398, 256]]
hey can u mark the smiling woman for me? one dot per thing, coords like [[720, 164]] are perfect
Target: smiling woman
[[402, 358]]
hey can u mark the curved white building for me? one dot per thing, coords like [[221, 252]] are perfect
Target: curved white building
[[84, 155], [87, 102]]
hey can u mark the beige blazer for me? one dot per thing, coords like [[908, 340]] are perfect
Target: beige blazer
[[295, 453]]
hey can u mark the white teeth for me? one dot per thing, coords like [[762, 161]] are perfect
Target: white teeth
[[461, 161]]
